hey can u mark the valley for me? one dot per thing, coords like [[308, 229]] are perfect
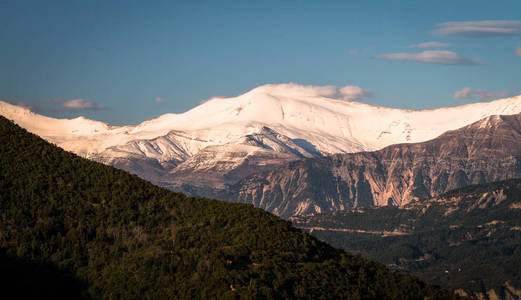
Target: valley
[[467, 239]]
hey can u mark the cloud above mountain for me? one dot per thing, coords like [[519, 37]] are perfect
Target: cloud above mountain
[[432, 44], [59, 105], [479, 29], [468, 93], [351, 92], [443, 57], [346, 93], [29, 106], [80, 103], [295, 90]]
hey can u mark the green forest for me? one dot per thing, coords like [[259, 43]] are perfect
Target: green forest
[[469, 238], [70, 226]]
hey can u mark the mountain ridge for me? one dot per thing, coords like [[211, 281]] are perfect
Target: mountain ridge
[[297, 121], [485, 151]]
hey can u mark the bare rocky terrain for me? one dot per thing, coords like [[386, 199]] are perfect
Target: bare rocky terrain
[[485, 151]]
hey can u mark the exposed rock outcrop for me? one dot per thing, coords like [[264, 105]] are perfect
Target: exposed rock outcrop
[[485, 151]]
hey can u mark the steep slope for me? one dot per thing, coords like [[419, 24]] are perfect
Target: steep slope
[[278, 123], [125, 238], [488, 150], [181, 163], [467, 239]]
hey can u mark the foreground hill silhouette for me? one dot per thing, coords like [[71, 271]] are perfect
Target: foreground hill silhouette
[[122, 237]]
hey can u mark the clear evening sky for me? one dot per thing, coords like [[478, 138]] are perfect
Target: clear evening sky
[[123, 62]]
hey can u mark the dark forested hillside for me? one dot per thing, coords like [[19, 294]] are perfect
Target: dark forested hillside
[[113, 235], [466, 239]]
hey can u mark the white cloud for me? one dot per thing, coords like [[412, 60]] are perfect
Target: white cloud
[[82, 104], [31, 107], [59, 105], [518, 51], [350, 93], [297, 90], [434, 56], [294, 90], [25, 105], [347, 93], [479, 29], [464, 93], [468, 93], [432, 44], [159, 100]]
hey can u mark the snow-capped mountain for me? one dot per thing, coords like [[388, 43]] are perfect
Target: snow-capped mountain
[[486, 151], [225, 139]]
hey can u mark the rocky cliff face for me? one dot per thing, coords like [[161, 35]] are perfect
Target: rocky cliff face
[[197, 167], [485, 151], [506, 292]]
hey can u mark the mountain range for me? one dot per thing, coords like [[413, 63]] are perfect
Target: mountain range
[[485, 151], [224, 140], [74, 228], [361, 177]]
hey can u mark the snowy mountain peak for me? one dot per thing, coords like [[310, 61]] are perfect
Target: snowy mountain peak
[[317, 115], [278, 122]]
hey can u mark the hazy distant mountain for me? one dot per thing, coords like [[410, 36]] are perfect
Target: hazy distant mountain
[[485, 151], [468, 239], [226, 139]]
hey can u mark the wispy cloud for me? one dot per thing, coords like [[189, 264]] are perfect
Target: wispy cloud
[[479, 29], [29, 106], [59, 105], [518, 50], [430, 45], [295, 90], [159, 100], [468, 93], [433, 56], [79, 104], [353, 51], [351, 92], [346, 93]]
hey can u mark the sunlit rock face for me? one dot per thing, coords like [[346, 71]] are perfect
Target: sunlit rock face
[[485, 151]]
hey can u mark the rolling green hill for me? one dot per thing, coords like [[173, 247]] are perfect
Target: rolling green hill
[[108, 234]]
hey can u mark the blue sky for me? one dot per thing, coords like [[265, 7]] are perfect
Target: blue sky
[[111, 60]]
